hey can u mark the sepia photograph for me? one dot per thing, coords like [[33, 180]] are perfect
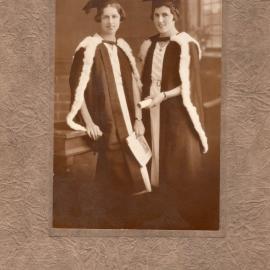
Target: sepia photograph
[[137, 104], [135, 134]]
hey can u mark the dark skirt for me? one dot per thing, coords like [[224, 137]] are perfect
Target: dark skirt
[[182, 193]]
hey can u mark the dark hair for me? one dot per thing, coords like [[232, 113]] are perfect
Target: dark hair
[[174, 10], [117, 6]]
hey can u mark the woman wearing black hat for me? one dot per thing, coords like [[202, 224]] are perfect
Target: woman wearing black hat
[[105, 85], [174, 121]]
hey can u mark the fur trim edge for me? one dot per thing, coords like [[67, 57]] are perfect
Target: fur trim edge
[[90, 44], [183, 40]]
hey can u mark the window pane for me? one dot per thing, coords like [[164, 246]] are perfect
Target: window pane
[[207, 9], [211, 19]]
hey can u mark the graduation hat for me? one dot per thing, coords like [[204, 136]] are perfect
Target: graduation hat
[[172, 4], [98, 4], [158, 3]]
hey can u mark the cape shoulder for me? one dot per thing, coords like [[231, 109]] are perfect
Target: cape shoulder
[[124, 45], [145, 47], [183, 39], [89, 44]]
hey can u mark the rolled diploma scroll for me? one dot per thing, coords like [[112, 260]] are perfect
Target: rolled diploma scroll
[[145, 103]]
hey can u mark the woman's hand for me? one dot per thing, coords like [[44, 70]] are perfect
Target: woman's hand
[[139, 128], [93, 131], [156, 99]]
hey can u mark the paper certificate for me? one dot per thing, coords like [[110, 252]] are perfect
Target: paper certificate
[[139, 148]]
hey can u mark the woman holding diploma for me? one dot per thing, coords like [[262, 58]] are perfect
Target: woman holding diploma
[[105, 86], [174, 119]]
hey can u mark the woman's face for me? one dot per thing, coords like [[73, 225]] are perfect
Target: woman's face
[[110, 21], [163, 20]]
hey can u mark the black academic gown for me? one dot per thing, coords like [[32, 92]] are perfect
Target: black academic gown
[[117, 173], [181, 171]]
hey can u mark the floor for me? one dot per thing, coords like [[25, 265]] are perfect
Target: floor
[[79, 202]]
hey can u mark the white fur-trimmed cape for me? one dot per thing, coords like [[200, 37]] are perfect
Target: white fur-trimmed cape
[[90, 45], [183, 39]]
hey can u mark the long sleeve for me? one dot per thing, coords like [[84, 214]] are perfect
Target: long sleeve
[[74, 78], [196, 91], [75, 71], [80, 75]]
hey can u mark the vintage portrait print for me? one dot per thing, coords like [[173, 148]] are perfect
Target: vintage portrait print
[[137, 114]]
